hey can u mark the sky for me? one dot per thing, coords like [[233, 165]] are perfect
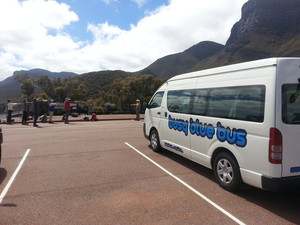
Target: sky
[[92, 35]]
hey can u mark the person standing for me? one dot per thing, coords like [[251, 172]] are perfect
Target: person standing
[[35, 111], [26, 107], [10, 106], [36, 105], [67, 108], [51, 108], [137, 106]]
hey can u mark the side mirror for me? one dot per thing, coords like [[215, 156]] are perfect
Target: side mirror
[[145, 105]]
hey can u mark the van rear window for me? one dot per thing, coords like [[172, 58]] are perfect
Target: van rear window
[[291, 103]]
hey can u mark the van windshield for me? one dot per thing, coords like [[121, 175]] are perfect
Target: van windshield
[[291, 103]]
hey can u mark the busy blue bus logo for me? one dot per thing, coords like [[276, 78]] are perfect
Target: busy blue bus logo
[[233, 136]]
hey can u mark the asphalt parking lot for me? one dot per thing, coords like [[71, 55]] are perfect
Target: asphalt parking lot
[[104, 173]]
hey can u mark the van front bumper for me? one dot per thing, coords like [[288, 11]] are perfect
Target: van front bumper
[[280, 184], [144, 130]]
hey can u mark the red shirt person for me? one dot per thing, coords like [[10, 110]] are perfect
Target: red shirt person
[[67, 108]]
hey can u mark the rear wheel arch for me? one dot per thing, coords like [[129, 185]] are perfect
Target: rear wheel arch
[[226, 169], [218, 151]]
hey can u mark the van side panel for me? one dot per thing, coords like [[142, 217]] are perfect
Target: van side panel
[[253, 157]]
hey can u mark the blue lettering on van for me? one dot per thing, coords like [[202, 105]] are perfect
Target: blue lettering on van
[[201, 129], [179, 125], [176, 148], [295, 169], [233, 136]]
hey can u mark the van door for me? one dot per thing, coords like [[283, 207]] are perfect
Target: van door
[[175, 122], [290, 129], [154, 112], [288, 114]]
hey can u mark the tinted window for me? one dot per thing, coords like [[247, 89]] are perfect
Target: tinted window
[[200, 102], [156, 100], [249, 104], [179, 101], [240, 103], [221, 101], [291, 103]]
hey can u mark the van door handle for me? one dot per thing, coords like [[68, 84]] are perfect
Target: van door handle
[[166, 114], [158, 113]]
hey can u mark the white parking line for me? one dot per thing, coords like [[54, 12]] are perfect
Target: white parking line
[[8, 185], [189, 187]]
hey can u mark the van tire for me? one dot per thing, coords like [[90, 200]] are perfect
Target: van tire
[[227, 172], [154, 141]]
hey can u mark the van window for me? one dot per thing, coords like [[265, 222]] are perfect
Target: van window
[[220, 102], [179, 101], [240, 103], [156, 100], [200, 102], [291, 103]]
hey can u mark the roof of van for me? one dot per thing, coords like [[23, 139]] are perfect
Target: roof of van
[[230, 68]]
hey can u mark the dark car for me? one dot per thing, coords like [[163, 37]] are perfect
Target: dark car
[[1, 141]]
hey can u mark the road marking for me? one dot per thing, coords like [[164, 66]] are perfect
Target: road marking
[[8, 185], [189, 187]]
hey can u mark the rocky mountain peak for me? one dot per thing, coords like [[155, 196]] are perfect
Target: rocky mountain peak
[[278, 18]]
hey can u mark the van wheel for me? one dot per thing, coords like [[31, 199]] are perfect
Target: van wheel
[[154, 141], [227, 172]]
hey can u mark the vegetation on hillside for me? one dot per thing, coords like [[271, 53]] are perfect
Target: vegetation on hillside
[[99, 92], [123, 92]]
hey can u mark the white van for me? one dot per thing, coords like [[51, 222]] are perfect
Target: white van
[[242, 121]]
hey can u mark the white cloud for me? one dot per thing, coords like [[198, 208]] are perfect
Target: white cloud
[[24, 38], [169, 29], [105, 32], [31, 35], [140, 3], [109, 1]]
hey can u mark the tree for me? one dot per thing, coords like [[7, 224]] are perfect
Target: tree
[[123, 92], [27, 84], [59, 94], [28, 88], [74, 89], [21, 77], [46, 84]]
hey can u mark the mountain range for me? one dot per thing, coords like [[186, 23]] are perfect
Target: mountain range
[[267, 28], [10, 88]]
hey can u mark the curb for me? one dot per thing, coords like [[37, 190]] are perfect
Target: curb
[[116, 117]]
